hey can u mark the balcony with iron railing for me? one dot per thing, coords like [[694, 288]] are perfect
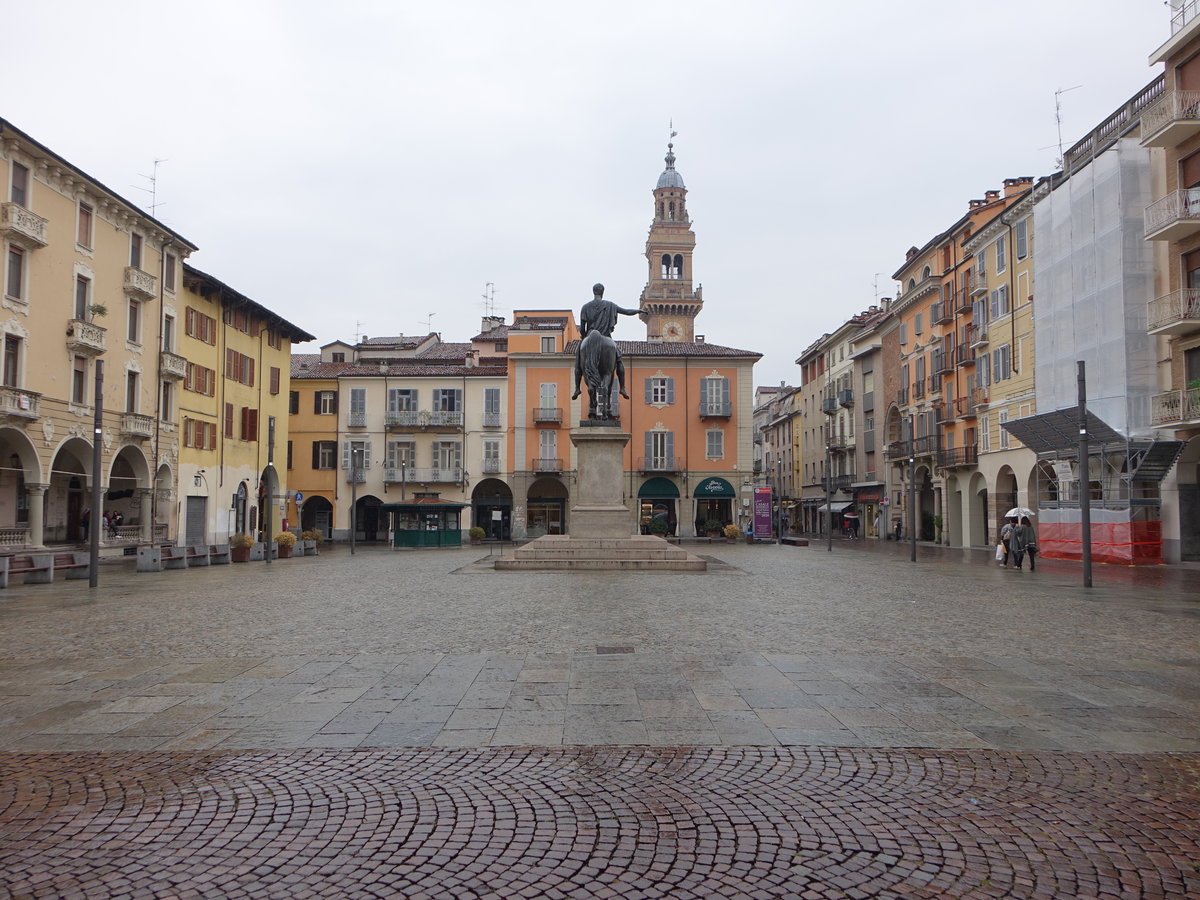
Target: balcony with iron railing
[[935, 384], [85, 338], [836, 440], [356, 476], [940, 312], [1172, 119], [977, 334], [962, 298], [356, 419], [976, 283], [918, 389], [140, 285], [927, 445], [22, 227], [902, 396], [964, 355], [716, 409], [545, 464], [16, 404], [829, 405], [958, 457], [843, 481], [137, 425], [492, 420], [896, 450], [1175, 408], [964, 408], [423, 418], [1174, 217], [943, 362], [846, 398], [979, 397], [172, 366], [436, 474], [943, 411], [659, 464], [547, 415], [490, 466], [1175, 313]]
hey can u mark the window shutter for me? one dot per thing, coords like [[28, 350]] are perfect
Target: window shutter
[[229, 420], [317, 402], [345, 454], [649, 395], [228, 363], [335, 401], [649, 445], [725, 390], [316, 456], [367, 455], [670, 446], [670, 390], [253, 424], [274, 379]]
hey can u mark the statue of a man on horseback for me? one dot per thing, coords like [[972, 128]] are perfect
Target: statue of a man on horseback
[[598, 359]]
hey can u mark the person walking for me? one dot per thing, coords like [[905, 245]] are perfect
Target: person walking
[[84, 519], [1006, 535], [1024, 540], [878, 522]]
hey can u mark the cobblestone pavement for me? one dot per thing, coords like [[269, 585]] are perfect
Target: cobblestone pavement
[[794, 723]]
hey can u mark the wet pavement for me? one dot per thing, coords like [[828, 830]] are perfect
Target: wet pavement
[[794, 723]]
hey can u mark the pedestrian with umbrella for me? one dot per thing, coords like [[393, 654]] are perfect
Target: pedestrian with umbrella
[[1024, 540]]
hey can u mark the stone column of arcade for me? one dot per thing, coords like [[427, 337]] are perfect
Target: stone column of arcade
[[146, 514], [37, 521]]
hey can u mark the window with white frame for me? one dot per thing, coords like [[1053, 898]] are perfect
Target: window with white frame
[[491, 401], [12, 360], [1021, 236], [447, 399], [135, 250], [83, 296], [985, 434], [714, 444], [1000, 302], [14, 283], [134, 335], [1001, 262], [548, 444], [326, 403], [358, 406], [547, 344], [1001, 418], [447, 455], [20, 185], [356, 454], [660, 391], [401, 454], [491, 456], [660, 450], [83, 225], [1002, 363], [402, 399], [548, 395]]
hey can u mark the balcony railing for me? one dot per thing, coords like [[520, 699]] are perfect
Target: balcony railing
[[545, 464], [943, 362], [1176, 313], [22, 227], [964, 408], [139, 284], [977, 335], [356, 476], [962, 298], [896, 450], [918, 389], [964, 355], [935, 383], [659, 464], [1186, 12], [846, 398], [843, 481], [85, 338], [548, 415], [18, 404], [136, 425], [957, 457], [356, 419], [979, 397], [1175, 408], [423, 418], [430, 474], [976, 283], [836, 440], [902, 396], [716, 409], [1174, 217], [491, 420], [943, 412], [829, 405], [172, 366], [926, 446], [398, 474], [940, 312], [490, 466], [1172, 119]]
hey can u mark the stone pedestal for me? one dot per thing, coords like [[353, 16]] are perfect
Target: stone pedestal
[[599, 511]]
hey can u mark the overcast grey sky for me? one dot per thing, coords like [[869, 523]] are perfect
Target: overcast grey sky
[[359, 166]]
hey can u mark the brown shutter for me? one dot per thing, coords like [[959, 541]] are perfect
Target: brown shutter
[[1189, 171], [274, 379]]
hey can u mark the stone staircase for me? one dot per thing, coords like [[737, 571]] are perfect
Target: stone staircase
[[559, 552]]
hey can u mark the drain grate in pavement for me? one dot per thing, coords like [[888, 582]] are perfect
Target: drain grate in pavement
[[603, 650]]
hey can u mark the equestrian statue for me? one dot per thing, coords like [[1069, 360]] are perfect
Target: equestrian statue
[[598, 359]]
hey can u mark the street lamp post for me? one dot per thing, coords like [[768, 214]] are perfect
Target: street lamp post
[[912, 491], [828, 493], [355, 452]]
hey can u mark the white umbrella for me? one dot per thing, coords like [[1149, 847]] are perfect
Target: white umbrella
[[1018, 511]]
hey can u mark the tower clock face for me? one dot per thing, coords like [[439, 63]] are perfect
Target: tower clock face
[[672, 331]]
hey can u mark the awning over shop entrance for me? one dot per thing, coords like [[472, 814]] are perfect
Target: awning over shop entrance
[[714, 487], [658, 488], [837, 507]]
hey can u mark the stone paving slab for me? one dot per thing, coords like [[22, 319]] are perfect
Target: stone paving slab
[[603, 822]]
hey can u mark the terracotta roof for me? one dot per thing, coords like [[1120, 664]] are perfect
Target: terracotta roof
[[403, 340], [417, 368], [499, 333], [672, 348]]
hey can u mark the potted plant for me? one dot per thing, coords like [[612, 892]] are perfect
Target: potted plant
[[731, 533], [475, 533], [310, 539], [239, 547], [657, 525], [286, 541], [97, 310], [713, 528]]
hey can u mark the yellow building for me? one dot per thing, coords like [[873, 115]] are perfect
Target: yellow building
[[236, 386], [90, 281]]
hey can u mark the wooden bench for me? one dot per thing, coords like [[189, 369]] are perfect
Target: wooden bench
[[75, 564], [197, 555], [35, 568], [218, 555]]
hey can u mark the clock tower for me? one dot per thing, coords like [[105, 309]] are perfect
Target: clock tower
[[669, 305]]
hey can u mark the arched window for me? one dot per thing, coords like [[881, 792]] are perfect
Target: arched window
[[677, 270], [666, 265], [660, 209], [671, 210], [925, 273]]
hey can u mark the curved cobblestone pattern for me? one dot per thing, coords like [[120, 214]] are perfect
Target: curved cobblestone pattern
[[600, 822]]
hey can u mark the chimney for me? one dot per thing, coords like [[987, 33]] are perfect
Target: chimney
[[471, 358], [991, 196], [699, 339]]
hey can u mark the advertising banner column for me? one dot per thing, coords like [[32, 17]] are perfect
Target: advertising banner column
[[762, 512]]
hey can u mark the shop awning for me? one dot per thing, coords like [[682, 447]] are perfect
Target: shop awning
[[837, 507], [658, 488], [714, 487]]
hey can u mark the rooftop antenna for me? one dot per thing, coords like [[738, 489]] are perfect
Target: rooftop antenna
[[357, 331], [489, 299], [153, 189], [1058, 119], [877, 274], [429, 322]]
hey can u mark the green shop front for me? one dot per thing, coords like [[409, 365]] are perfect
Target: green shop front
[[426, 521], [714, 503]]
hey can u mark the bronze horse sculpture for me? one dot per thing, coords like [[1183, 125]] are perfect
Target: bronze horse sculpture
[[597, 360]]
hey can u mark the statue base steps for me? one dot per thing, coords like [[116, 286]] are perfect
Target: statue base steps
[[641, 553]]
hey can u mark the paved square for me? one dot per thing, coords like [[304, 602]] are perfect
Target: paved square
[[804, 668]]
